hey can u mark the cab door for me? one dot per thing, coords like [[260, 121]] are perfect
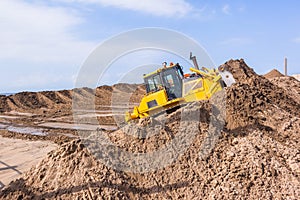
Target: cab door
[[172, 82]]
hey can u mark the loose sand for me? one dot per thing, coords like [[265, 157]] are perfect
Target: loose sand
[[18, 156], [255, 156]]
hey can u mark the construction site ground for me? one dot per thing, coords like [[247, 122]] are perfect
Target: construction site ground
[[256, 154]]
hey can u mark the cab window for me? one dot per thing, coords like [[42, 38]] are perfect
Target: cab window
[[169, 80], [153, 83]]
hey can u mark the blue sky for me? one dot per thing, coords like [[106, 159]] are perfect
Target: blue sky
[[44, 43]]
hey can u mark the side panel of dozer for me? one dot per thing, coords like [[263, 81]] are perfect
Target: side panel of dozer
[[200, 89], [149, 104], [153, 100]]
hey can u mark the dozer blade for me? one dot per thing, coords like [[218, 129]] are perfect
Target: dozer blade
[[227, 77], [170, 105]]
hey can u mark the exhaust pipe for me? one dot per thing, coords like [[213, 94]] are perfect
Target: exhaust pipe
[[193, 58]]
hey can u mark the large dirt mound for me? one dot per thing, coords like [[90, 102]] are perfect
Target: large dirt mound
[[240, 70], [254, 98], [273, 74], [255, 156], [34, 101], [290, 85], [73, 171], [62, 100]]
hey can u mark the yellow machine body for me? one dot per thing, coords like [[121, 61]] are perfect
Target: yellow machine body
[[169, 87]]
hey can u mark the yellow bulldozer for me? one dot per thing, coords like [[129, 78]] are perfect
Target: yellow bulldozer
[[169, 87]]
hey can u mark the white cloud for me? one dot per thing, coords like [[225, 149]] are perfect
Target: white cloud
[[226, 9], [237, 41], [297, 40], [242, 9], [39, 33], [168, 8], [37, 46]]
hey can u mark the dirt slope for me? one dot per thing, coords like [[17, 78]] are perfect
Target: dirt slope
[[51, 101], [290, 85], [256, 156], [273, 74]]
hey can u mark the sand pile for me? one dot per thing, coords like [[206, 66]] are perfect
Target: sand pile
[[72, 171], [240, 70], [27, 101], [273, 74], [255, 156], [290, 85], [52, 101]]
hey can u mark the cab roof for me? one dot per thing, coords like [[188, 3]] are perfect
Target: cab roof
[[158, 71]]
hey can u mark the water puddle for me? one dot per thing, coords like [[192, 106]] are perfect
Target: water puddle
[[20, 113], [8, 117], [93, 115], [23, 130], [89, 127], [3, 126], [27, 130]]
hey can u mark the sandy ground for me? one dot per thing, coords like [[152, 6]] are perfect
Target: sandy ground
[[18, 156], [255, 156]]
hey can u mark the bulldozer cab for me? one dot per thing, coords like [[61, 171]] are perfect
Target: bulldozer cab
[[169, 79]]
